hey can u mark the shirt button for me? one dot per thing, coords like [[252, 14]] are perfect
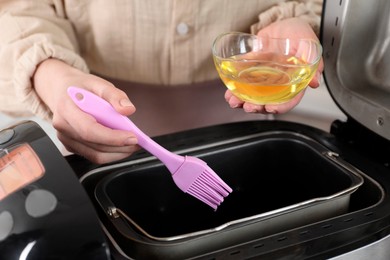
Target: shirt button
[[182, 29]]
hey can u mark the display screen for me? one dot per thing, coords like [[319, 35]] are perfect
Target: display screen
[[19, 166]]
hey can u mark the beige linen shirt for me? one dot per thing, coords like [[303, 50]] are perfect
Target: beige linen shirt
[[156, 50]]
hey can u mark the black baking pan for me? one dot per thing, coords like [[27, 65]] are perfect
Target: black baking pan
[[280, 180]]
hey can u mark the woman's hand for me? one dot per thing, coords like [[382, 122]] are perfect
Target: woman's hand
[[289, 28], [78, 131]]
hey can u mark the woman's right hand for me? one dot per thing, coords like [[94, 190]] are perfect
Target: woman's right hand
[[78, 131]]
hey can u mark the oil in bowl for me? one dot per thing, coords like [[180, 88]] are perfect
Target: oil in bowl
[[265, 70]]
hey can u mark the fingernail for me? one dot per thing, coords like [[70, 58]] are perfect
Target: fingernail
[[270, 111], [252, 110], [131, 141], [320, 79], [126, 103]]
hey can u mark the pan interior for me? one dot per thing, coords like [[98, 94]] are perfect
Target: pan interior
[[265, 175]]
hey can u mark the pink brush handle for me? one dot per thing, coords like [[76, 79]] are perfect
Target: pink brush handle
[[106, 115]]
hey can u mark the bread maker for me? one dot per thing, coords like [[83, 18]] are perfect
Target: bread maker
[[298, 192]]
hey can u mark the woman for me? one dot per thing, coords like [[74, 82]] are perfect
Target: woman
[[153, 55]]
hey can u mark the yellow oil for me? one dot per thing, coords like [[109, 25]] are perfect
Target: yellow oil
[[276, 80]]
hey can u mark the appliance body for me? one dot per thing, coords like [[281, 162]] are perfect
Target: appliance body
[[298, 192], [47, 215], [265, 236]]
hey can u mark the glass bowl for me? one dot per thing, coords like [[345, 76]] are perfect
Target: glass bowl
[[263, 70]]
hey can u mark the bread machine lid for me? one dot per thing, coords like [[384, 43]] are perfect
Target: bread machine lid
[[356, 41]]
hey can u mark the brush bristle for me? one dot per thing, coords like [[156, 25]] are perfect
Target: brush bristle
[[210, 189], [196, 178]]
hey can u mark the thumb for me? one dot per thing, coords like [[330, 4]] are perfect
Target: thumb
[[119, 100], [116, 97]]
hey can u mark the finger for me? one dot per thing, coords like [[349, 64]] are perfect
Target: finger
[[253, 108], [104, 148], [106, 90], [76, 124], [228, 95], [85, 128], [100, 147], [117, 98], [94, 140], [93, 155], [285, 107], [233, 101], [316, 81]]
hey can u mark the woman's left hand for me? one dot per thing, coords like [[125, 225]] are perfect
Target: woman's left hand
[[288, 28]]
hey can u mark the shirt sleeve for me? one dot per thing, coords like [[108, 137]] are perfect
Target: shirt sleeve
[[31, 32], [309, 10]]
